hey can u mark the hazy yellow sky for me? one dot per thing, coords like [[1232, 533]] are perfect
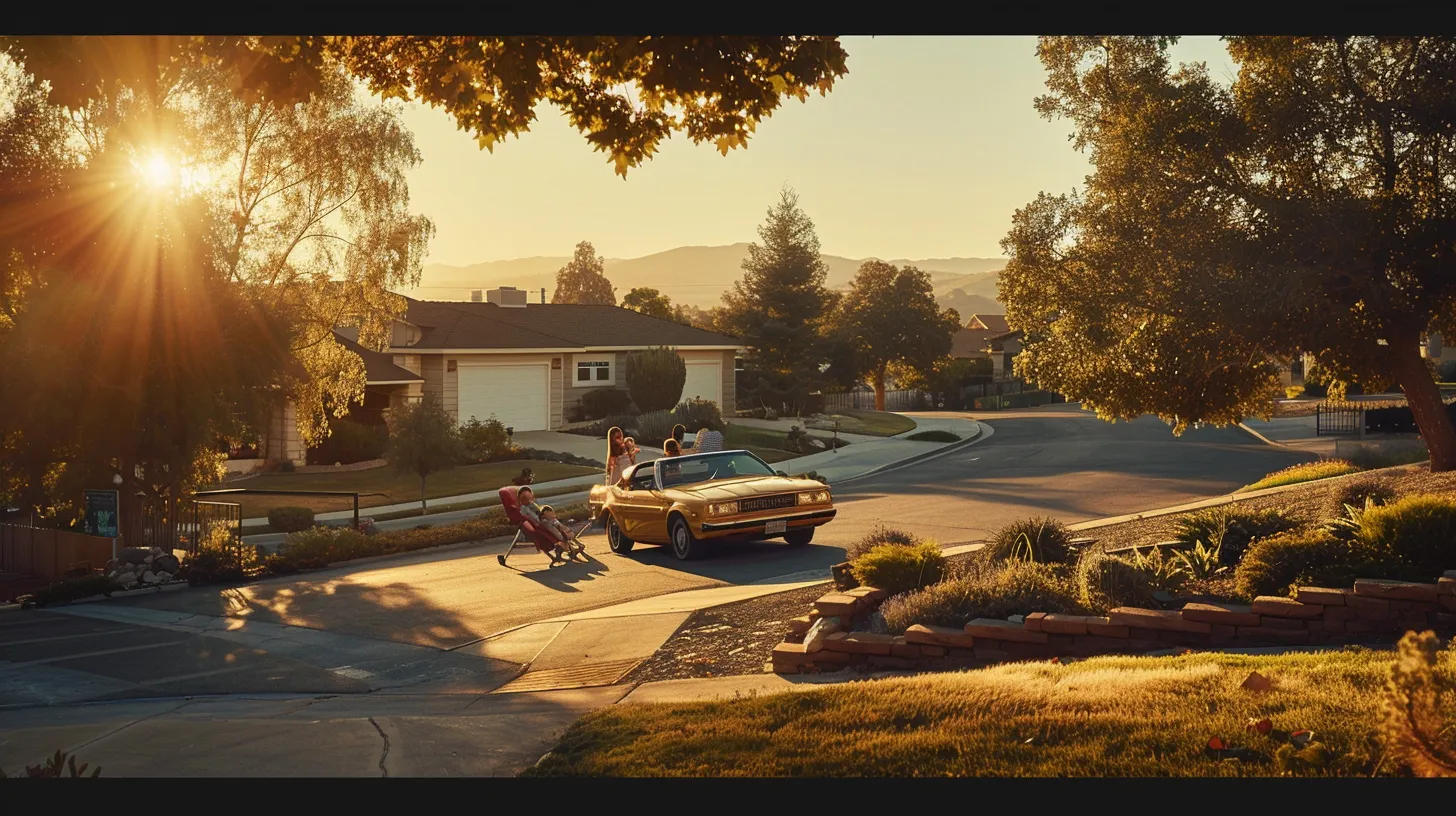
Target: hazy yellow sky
[[923, 151]]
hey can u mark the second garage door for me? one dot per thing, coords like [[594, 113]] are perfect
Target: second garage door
[[705, 381], [517, 395]]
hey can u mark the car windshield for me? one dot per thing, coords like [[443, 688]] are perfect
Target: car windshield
[[682, 470]]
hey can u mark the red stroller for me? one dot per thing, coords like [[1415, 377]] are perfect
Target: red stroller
[[526, 529]]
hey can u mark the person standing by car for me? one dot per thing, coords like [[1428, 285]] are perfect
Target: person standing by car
[[619, 456], [707, 439]]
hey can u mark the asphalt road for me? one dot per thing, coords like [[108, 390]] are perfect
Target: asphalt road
[[1057, 461]]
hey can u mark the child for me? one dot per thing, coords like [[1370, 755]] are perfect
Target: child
[[534, 512], [671, 448], [554, 527]]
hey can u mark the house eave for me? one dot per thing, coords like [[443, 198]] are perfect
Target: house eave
[[573, 350]]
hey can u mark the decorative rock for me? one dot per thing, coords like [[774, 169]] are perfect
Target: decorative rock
[[1321, 596], [127, 580], [818, 633], [836, 603], [1289, 624], [1286, 608], [1016, 619], [149, 577], [1166, 620], [1449, 574], [164, 577], [789, 655], [843, 576], [1446, 586], [1449, 601], [944, 636], [800, 625], [166, 563], [931, 651], [1363, 606], [133, 555], [1003, 630], [909, 650], [1225, 614], [1033, 621], [984, 652], [1396, 590]]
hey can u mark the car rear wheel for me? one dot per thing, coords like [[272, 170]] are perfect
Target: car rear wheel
[[685, 545], [799, 538], [616, 539]]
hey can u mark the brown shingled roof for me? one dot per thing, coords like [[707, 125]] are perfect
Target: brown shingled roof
[[995, 322], [378, 368], [969, 342], [471, 325]]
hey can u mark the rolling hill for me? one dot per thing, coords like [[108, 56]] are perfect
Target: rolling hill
[[699, 275]]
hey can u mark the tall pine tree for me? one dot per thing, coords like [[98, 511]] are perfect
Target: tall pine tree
[[584, 279], [779, 304]]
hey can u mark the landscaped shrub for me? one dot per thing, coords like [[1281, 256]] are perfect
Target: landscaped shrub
[[934, 436], [598, 430], [896, 569], [1306, 472], [1354, 492], [655, 378], [220, 558], [600, 403], [692, 413], [327, 545], [1311, 557], [1041, 539], [485, 441], [653, 428], [994, 589], [1418, 533], [1106, 582], [880, 534], [349, 442], [290, 519], [1230, 529]]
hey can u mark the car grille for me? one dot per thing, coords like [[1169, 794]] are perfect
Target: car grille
[[767, 503]]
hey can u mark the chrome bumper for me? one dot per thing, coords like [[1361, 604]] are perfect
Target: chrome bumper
[[759, 523]]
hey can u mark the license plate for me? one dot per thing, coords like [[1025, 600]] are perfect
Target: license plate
[[775, 527]]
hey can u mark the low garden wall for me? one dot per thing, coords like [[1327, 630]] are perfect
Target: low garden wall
[[824, 639]]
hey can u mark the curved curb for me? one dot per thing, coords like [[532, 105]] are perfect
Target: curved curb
[[983, 432], [1266, 440]]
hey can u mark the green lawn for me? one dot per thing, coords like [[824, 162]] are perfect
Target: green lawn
[[767, 444], [1112, 716], [395, 487], [872, 423], [1307, 472]]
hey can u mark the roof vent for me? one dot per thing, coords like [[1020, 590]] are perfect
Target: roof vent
[[508, 296], [477, 295]]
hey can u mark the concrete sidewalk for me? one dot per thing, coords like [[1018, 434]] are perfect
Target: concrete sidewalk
[[1297, 433]]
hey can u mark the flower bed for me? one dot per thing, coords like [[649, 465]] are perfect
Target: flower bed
[[823, 640]]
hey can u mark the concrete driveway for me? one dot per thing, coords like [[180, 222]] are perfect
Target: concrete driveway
[[1056, 460]]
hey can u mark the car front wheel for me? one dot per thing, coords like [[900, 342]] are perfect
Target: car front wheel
[[616, 539], [685, 545], [799, 538]]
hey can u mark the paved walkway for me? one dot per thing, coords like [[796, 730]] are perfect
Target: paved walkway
[[1297, 433]]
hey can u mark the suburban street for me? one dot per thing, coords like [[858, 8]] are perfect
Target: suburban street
[[397, 614]]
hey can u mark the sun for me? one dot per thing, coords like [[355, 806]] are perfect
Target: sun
[[158, 172]]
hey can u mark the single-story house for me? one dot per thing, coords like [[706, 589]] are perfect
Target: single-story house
[[1003, 348], [528, 365], [994, 323]]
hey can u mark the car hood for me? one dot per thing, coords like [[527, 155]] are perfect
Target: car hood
[[745, 487]]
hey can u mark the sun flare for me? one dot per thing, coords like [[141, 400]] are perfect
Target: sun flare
[[157, 171]]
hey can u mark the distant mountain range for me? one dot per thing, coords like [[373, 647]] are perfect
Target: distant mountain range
[[698, 276]]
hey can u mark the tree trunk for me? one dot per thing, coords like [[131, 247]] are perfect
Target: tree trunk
[[424, 510], [880, 390], [1424, 398]]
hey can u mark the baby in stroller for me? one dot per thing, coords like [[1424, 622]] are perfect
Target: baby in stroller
[[568, 546]]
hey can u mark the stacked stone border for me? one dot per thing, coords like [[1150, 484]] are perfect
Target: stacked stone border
[[823, 640]]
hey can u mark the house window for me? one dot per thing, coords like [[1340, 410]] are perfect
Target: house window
[[593, 371]]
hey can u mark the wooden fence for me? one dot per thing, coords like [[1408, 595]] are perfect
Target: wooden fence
[[50, 553]]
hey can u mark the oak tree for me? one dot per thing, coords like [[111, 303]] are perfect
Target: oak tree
[[423, 439], [889, 318], [1308, 207], [649, 301], [584, 279], [624, 94]]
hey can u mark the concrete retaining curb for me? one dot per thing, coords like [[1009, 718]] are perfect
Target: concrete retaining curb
[[983, 431]]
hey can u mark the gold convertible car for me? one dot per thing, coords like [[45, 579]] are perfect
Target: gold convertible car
[[688, 501]]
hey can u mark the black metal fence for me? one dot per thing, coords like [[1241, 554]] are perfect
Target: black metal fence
[[215, 525], [906, 400], [1338, 419]]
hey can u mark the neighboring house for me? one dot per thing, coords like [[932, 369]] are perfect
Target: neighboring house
[[970, 344], [529, 364], [994, 323], [1003, 347]]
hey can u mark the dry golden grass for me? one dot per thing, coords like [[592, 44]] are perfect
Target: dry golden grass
[[1114, 716], [1308, 472]]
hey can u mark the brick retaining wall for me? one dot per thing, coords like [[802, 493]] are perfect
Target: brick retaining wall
[[823, 640]]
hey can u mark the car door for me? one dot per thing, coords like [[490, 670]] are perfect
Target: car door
[[640, 506]]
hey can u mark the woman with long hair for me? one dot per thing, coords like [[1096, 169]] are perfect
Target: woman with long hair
[[679, 434], [620, 455]]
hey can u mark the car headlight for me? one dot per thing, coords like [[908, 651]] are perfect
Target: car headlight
[[816, 497], [723, 509]]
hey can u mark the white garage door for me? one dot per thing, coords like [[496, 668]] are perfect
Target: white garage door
[[705, 381], [518, 395]]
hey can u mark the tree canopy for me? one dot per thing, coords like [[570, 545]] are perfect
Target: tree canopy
[[890, 318], [649, 301], [1308, 207], [625, 94], [584, 279], [423, 439]]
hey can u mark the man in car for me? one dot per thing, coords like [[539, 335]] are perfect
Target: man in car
[[707, 440]]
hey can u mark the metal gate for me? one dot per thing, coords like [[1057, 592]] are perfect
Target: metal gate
[[215, 525], [1336, 419]]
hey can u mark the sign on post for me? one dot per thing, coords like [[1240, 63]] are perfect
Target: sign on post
[[101, 513]]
